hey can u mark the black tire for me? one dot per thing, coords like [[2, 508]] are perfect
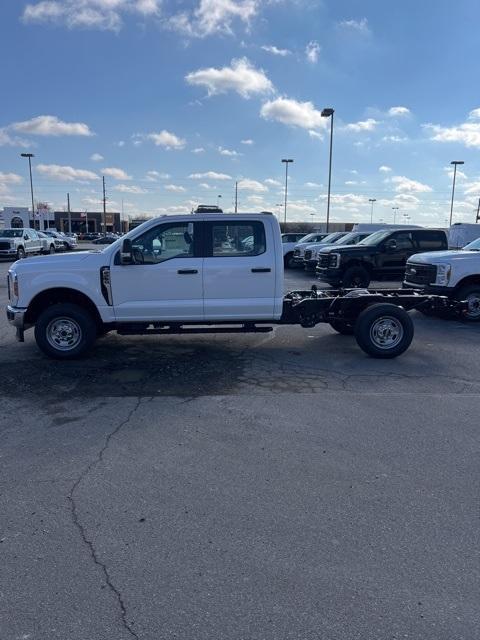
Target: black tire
[[288, 261], [356, 278], [65, 246], [471, 293], [78, 328], [52, 249], [384, 330], [21, 253], [343, 327]]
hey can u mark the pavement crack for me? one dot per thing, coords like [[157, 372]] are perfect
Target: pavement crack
[[82, 530]]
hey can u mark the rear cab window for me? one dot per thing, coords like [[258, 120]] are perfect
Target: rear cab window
[[430, 240], [235, 239]]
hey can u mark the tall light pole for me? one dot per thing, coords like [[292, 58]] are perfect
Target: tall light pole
[[454, 162], [287, 162], [395, 209], [328, 113], [30, 156], [218, 201], [372, 200]]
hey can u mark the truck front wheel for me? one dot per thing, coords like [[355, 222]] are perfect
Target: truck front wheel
[[65, 331], [470, 293], [384, 330], [288, 261], [356, 277], [20, 253]]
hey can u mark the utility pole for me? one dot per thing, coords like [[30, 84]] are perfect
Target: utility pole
[[455, 164], [104, 222], [236, 196], [478, 211], [372, 200], [69, 214], [30, 156], [287, 162]]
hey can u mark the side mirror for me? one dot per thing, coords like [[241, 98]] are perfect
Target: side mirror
[[25, 237], [126, 252], [391, 245]]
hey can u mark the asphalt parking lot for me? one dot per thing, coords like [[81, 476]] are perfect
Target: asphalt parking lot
[[245, 487]]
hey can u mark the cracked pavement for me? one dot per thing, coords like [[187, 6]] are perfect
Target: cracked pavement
[[243, 487]]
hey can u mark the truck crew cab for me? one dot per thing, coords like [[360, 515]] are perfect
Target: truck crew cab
[[381, 256], [209, 273]]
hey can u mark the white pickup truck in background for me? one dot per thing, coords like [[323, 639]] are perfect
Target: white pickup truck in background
[[453, 273], [18, 243], [200, 273]]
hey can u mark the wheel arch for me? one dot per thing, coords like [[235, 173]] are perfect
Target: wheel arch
[[57, 295], [472, 279]]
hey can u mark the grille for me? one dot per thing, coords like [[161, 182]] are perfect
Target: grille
[[308, 254], [420, 273], [4, 245], [323, 261]]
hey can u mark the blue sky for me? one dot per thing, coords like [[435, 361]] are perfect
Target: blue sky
[[175, 101]]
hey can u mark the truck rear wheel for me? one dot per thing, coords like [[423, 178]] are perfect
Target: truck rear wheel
[[470, 293], [65, 331], [384, 330], [356, 277], [342, 326]]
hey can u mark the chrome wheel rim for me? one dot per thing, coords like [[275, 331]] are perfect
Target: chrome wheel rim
[[386, 332], [64, 334], [473, 305]]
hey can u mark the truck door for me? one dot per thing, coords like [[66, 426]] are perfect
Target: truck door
[[239, 270], [397, 249], [165, 283], [33, 244]]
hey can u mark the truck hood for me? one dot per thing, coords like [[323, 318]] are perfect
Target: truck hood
[[331, 248], [438, 257], [353, 248], [58, 261]]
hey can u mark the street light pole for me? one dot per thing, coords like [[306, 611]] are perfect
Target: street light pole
[[328, 113], [30, 156], [218, 201], [372, 200], [287, 162], [394, 209], [454, 162]]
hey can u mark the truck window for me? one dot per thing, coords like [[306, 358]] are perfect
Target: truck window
[[164, 242], [236, 239], [430, 240], [404, 240]]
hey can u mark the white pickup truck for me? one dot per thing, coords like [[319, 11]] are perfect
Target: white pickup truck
[[213, 273], [454, 273], [18, 243]]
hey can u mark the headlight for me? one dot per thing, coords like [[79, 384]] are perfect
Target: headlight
[[443, 274], [334, 260]]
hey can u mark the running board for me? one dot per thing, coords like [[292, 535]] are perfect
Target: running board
[[247, 328]]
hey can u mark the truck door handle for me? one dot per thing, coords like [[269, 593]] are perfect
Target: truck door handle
[[184, 272], [261, 270]]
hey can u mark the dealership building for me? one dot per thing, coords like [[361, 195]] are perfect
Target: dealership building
[[80, 221]]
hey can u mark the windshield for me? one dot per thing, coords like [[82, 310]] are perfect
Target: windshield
[[375, 238], [348, 239], [332, 237], [11, 233], [473, 246], [307, 238]]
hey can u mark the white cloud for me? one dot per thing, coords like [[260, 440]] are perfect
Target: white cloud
[[312, 51], [241, 77], [248, 141], [276, 51], [474, 114], [362, 125], [213, 16], [394, 139], [51, 126], [315, 134], [252, 185], [395, 112], [129, 188], [10, 178], [167, 140], [116, 173], [228, 152], [210, 175], [360, 26], [351, 182], [65, 173], [198, 150], [153, 176], [204, 185], [7, 140], [294, 113], [273, 183], [384, 168], [175, 188], [312, 185], [406, 185], [255, 199], [104, 15], [467, 133], [121, 143], [96, 157]]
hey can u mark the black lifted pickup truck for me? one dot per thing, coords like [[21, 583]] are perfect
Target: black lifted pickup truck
[[381, 256]]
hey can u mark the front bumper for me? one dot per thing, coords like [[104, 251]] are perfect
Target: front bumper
[[16, 317], [332, 276], [298, 260], [428, 288], [310, 265], [8, 252]]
